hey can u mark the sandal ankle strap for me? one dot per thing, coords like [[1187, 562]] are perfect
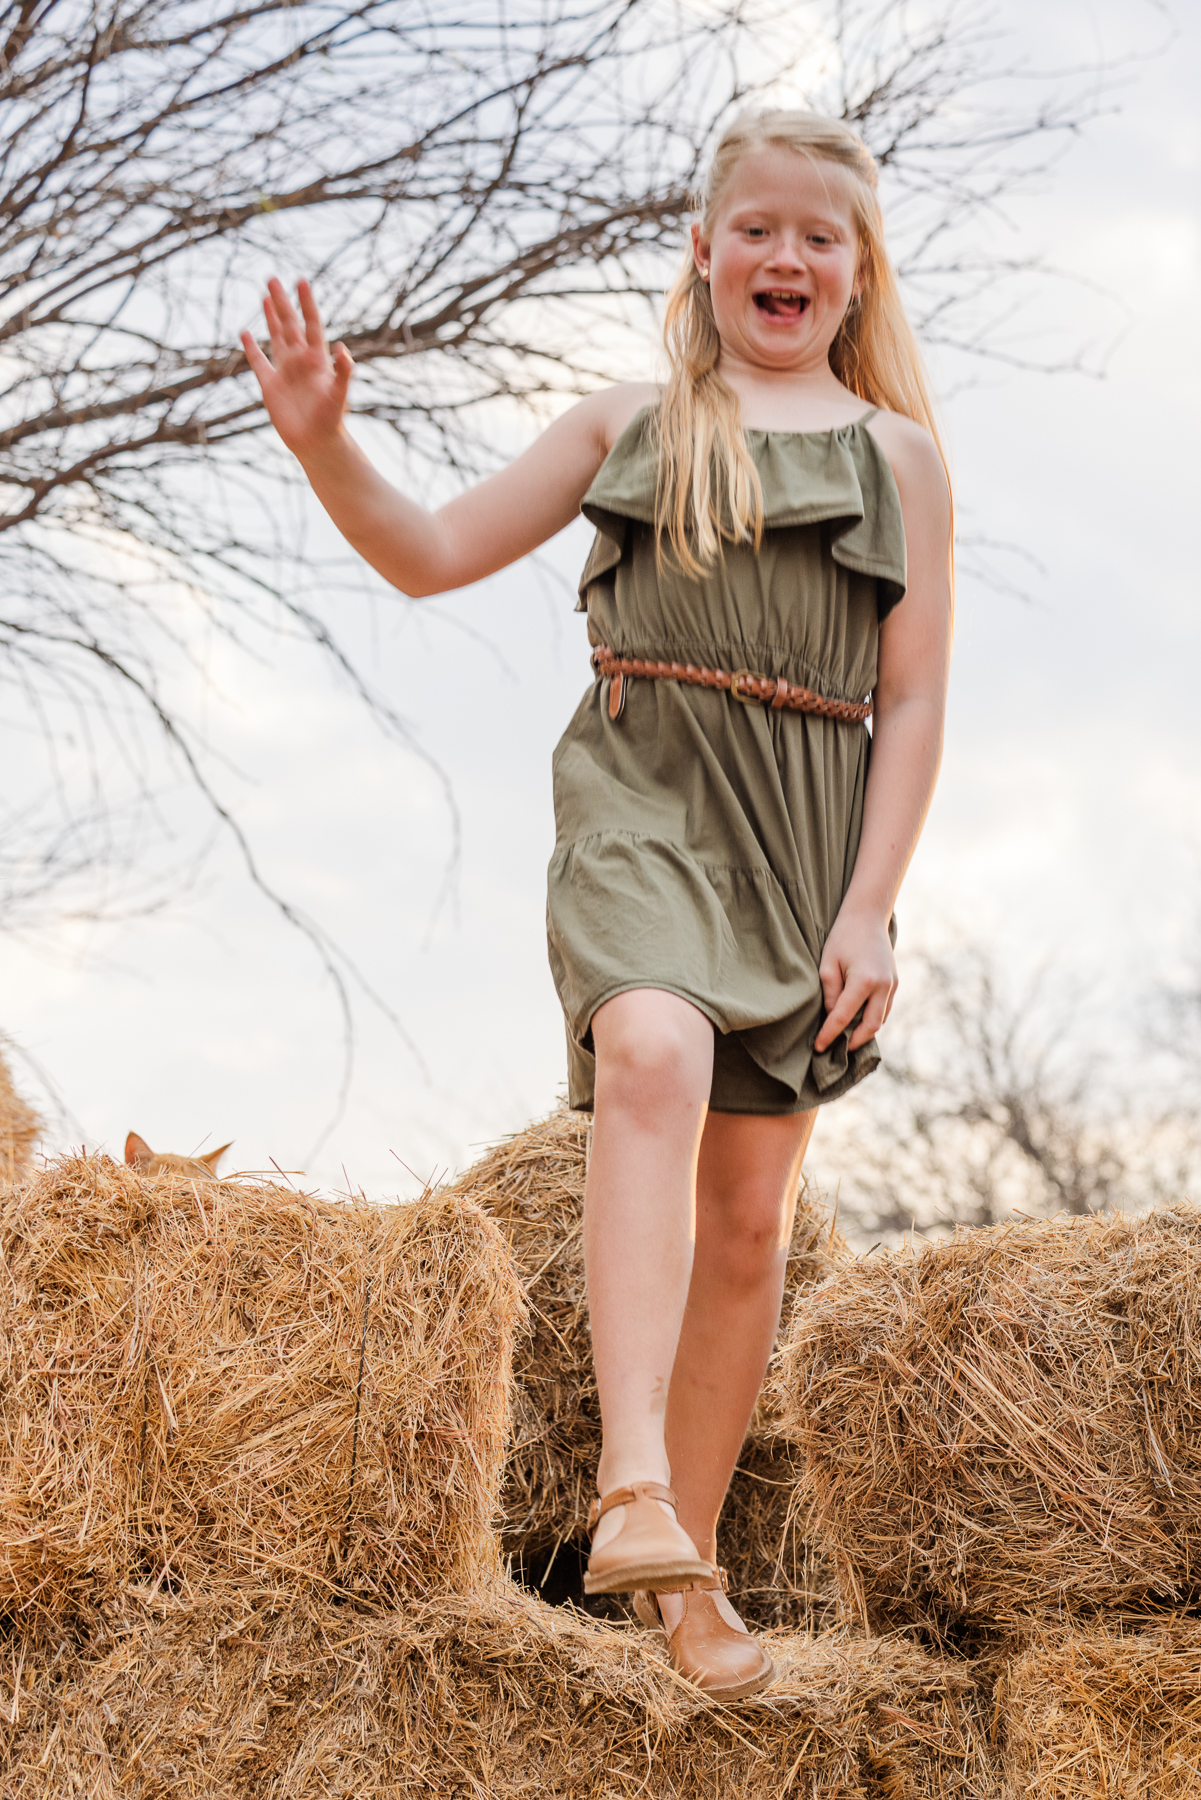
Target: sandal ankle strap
[[637, 1490], [719, 1579]]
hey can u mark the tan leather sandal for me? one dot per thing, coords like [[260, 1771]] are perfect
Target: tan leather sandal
[[724, 1663], [650, 1550]]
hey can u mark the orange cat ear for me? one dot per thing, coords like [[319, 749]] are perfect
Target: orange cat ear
[[137, 1150], [214, 1157]]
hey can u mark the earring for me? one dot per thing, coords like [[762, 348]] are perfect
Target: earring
[[705, 273]]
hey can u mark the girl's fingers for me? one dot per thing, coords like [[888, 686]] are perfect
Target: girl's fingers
[[254, 356], [314, 333], [871, 998], [874, 1015], [285, 312], [832, 989], [842, 1012], [832, 980], [279, 341], [343, 370]]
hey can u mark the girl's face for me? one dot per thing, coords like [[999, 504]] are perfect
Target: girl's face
[[782, 260]]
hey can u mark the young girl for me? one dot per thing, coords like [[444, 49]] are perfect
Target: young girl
[[773, 547]]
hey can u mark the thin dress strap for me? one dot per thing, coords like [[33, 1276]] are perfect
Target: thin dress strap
[[864, 417]]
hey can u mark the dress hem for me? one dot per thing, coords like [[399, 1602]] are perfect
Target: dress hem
[[806, 1098], [633, 987]]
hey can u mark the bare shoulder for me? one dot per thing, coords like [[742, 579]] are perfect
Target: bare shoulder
[[616, 407], [914, 458]]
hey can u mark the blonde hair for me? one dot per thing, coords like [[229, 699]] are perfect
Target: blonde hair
[[708, 487]]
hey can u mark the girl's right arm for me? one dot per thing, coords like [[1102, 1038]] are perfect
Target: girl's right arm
[[421, 552]]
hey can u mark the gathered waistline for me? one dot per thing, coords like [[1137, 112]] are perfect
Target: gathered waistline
[[744, 685]]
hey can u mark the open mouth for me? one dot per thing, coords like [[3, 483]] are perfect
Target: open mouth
[[780, 304]]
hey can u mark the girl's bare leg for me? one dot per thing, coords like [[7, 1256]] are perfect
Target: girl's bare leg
[[654, 1064], [748, 1172]]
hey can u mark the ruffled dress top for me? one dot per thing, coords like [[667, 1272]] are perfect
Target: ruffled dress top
[[704, 846]]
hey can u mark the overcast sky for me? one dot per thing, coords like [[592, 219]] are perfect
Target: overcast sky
[[1068, 816]]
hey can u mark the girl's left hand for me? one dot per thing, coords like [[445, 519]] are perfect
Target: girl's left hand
[[858, 974]]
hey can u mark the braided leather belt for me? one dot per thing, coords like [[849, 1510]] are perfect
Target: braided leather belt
[[743, 684]]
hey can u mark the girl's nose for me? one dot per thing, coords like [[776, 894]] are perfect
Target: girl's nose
[[788, 253]]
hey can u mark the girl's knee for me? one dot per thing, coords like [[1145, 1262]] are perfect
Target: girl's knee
[[648, 1061], [749, 1228]]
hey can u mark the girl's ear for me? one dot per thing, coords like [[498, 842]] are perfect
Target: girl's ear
[[700, 253]]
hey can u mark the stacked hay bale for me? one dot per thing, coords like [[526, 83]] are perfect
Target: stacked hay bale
[[533, 1186], [1000, 1440], [19, 1128], [251, 1445], [207, 1383], [491, 1696], [1105, 1711], [1006, 1429]]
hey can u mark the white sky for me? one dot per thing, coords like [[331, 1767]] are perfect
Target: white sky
[[1068, 818]]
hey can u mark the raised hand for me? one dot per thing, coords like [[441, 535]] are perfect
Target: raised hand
[[304, 386]]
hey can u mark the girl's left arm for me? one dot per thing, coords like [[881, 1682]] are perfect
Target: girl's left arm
[[858, 970]]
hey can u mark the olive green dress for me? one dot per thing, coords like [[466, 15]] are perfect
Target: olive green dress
[[704, 846]]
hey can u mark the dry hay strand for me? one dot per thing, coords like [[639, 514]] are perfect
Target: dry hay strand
[[532, 1184], [488, 1697], [19, 1128], [1006, 1427], [1105, 1712], [205, 1379]]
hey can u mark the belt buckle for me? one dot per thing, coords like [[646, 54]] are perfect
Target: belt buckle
[[737, 694]]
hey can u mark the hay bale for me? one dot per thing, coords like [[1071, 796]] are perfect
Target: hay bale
[[19, 1128], [532, 1184], [490, 1697], [1085, 1713], [1005, 1428], [207, 1380]]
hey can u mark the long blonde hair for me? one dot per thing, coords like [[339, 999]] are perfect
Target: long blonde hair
[[708, 487]]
